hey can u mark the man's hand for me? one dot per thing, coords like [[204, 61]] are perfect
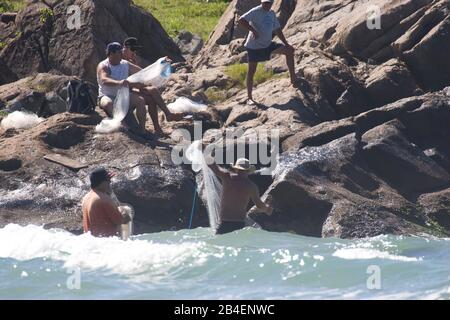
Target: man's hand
[[168, 59], [124, 83], [126, 218], [268, 210], [255, 34]]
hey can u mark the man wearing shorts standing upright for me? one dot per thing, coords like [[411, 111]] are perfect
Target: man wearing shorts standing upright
[[262, 23]]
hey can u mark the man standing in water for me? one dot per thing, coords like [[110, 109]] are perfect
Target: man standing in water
[[151, 94], [237, 192], [101, 215], [262, 23]]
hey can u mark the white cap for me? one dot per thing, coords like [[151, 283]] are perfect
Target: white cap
[[262, 1]]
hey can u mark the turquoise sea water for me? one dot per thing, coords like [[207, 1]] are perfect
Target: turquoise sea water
[[193, 264]]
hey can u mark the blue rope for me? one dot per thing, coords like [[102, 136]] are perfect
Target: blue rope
[[193, 205]]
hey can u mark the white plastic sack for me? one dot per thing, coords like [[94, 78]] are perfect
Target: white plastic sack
[[185, 105], [195, 155], [157, 74], [21, 120], [127, 229]]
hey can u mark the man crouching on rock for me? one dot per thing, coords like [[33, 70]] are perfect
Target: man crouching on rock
[[111, 75], [151, 94], [101, 215]]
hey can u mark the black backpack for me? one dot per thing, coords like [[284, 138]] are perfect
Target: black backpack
[[79, 99]]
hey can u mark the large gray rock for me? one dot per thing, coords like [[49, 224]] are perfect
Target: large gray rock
[[43, 41], [41, 93], [355, 178]]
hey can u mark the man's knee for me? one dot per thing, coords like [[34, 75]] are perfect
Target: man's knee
[[152, 90], [289, 51], [107, 105]]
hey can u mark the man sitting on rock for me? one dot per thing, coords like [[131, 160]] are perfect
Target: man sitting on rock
[[237, 192], [111, 75], [262, 23], [101, 215], [151, 94]]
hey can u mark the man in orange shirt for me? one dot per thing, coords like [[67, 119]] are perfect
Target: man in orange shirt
[[101, 215]]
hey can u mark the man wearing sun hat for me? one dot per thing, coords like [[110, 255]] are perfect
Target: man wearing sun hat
[[237, 191], [262, 23], [101, 215]]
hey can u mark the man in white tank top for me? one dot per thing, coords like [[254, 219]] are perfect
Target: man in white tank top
[[151, 94], [111, 75]]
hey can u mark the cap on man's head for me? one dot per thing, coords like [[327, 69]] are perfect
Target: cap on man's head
[[269, 1], [132, 43], [98, 176], [113, 48]]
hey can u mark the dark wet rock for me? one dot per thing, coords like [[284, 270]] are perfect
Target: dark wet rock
[[400, 163], [10, 164], [437, 206], [332, 190], [51, 194]]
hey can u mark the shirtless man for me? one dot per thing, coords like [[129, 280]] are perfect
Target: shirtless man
[[237, 192], [151, 94], [101, 215]]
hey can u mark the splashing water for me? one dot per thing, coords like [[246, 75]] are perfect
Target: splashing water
[[193, 264], [212, 185]]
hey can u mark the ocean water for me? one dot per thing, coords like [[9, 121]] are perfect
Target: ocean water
[[194, 264]]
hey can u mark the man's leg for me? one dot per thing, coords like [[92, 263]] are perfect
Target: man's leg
[[153, 112], [289, 53], [137, 102], [107, 105], [250, 75], [154, 93]]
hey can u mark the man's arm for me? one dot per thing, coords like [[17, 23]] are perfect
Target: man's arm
[[256, 198], [114, 214], [247, 26], [106, 80], [280, 35], [133, 68], [218, 171]]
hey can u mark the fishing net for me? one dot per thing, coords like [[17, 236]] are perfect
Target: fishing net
[[156, 74]]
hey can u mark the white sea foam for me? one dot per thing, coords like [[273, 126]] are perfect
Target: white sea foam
[[366, 254], [90, 253]]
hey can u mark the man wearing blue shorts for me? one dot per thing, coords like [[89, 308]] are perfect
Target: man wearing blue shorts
[[262, 23]]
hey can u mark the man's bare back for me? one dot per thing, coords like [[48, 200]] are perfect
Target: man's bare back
[[236, 195], [237, 192]]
